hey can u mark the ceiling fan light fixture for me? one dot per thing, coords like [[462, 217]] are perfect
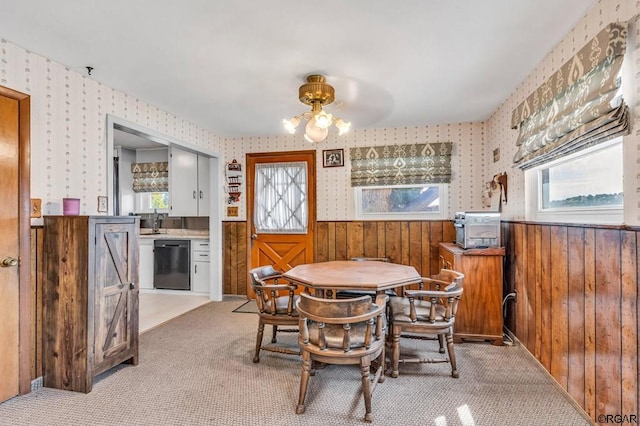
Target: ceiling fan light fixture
[[314, 133], [291, 125], [316, 93], [343, 126], [323, 120]]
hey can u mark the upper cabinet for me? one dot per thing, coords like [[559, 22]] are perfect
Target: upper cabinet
[[204, 186], [188, 183]]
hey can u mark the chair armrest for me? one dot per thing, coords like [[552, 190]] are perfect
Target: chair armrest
[[426, 293], [280, 287]]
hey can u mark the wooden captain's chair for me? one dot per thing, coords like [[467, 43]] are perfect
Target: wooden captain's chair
[[275, 308], [342, 331], [431, 310]]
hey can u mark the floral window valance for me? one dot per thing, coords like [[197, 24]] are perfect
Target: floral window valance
[[580, 105], [401, 164], [150, 177]]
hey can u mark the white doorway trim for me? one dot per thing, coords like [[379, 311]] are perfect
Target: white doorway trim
[[215, 208]]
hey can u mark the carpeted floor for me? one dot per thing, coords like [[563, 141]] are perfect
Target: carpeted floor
[[248, 307], [197, 370]]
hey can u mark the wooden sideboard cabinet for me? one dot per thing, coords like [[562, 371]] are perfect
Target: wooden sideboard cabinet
[[90, 298], [479, 313]]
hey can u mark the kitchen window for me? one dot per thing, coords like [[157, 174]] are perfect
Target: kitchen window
[[401, 202], [584, 188], [150, 201]]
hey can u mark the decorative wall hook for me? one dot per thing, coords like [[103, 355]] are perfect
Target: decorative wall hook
[[500, 181], [89, 69]]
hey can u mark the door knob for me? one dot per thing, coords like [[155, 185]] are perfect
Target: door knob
[[8, 261], [254, 236]]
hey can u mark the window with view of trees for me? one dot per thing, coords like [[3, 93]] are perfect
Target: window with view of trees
[[407, 201], [150, 201], [159, 200]]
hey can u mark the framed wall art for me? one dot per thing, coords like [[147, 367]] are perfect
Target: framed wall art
[[333, 158]]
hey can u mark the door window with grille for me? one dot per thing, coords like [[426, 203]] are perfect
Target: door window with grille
[[280, 197]]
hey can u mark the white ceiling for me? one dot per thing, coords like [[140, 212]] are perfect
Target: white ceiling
[[234, 67]]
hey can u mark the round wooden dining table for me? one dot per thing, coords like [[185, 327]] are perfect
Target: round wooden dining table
[[326, 278]]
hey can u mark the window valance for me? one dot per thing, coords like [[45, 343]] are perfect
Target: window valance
[[580, 105], [401, 164], [150, 177]]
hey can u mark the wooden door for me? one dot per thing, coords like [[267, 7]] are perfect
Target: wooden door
[[14, 228], [282, 249], [116, 294], [9, 283]]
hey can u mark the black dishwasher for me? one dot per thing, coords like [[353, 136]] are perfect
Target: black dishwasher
[[171, 264]]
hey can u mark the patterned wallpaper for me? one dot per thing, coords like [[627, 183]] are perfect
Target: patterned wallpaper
[[68, 118], [335, 196], [69, 114], [502, 136]]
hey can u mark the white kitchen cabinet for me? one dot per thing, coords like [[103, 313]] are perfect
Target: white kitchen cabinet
[[145, 273], [204, 186], [189, 183], [200, 269]]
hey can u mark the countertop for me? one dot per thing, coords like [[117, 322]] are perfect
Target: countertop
[[174, 234]]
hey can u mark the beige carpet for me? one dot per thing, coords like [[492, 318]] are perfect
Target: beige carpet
[[197, 370]]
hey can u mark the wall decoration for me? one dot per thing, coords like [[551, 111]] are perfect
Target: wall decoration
[[233, 174], [332, 158], [232, 211], [499, 182]]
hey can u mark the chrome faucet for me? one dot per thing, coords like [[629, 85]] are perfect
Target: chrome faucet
[[156, 228]]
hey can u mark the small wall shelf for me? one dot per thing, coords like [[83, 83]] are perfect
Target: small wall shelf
[[233, 175]]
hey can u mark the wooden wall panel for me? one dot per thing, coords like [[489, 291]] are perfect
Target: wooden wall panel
[[581, 316], [589, 318], [234, 247], [370, 239], [436, 235], [408, 242], [414, 246], [516, 243], [544, 253], [530, 291], [355, 239], [393, 241], [629, 322], [341, 241], [608, 326], [559, 312], [425, 247], [331, 241], [575, 271], [322, 241]]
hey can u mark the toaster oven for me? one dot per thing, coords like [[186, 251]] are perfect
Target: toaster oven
[[477, 229]]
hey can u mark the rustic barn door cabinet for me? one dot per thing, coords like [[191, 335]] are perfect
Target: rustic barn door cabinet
[[90, 298]]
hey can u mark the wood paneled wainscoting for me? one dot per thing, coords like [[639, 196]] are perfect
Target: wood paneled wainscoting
[[577, 308], [412, 243]]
